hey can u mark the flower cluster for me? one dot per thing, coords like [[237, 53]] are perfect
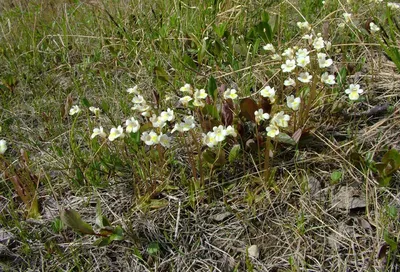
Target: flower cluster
[[217, 135]]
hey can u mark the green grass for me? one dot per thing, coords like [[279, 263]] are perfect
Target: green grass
[[191, 207]]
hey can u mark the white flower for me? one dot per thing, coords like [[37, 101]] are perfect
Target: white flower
[[341, 25], [374, 28], [74, 110], [3, 146], [167, 115], [230, 131], [230, 93], [302, 53], [133, 90], [280, 119], [289, 53], [347, 17], [209, 139], [150, 138], [323, 62], [157, 121], [289, 82], [220, 133], [276, 57], [138, 99], [269, 47], [304, 26], [304, 77], [354, 91], [185, 100], [198, 103], [272, 130], [393, 5], [268, 92], [293, 103], [141, 107], [164, 140], [187, 88], [98, 132], [303, 61], [288, 66], [132, 125], [200, 94], [95, 110], [308, 37], [260, 116], [328, 79], [319, 43], [116, 133], [187, 124]]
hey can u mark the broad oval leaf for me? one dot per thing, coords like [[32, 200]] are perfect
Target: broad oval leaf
[[234, 153], [73, 219], [285, 139], [247, 108]]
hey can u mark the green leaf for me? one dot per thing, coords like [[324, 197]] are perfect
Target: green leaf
[[285, 139], [336, 176], [233, 154], [118, 234], [103, 241], [212, 111], [392, 161], [153, 248], [388, 239], [85, 102], [212, 87], [101, 220], [160, 73], [73, 219]]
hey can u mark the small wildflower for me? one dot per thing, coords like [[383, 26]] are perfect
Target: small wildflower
[[328, 79], [304, 26], [268, 92], [276, 57], [319, 43], [98, 132], [157, 122], [374, 28], [74, 110], [272, 130], [323, 62], [289, 82], [280, 119], [116, 133], [230, 93], [133, 90], [150, 138], [288, 66], [187, 88], [200, 94], [354, 91], [230, 131], [269, 47], [220, 133], [303, 61], [164, 140], [95, 110], [138, 99], [3, 146], [167, 115], [347, 17], [185, 100], [209, 139], [393, 6], [132, 125], [260, 116], [198, 103], [302, 53], [289, 53], [292, 102], [304, 77], [341, 25]]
